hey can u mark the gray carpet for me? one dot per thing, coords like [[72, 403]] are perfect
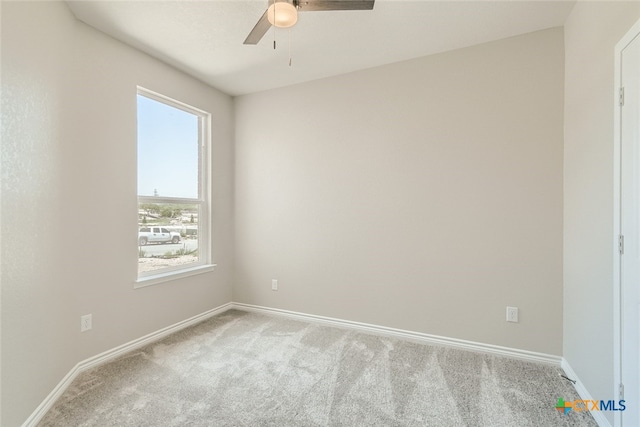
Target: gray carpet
[[245, 369]]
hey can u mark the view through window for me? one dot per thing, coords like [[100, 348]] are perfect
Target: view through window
[[172, 203]]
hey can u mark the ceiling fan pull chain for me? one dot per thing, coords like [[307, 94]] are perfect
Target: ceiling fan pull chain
[[289, 47], [274, 27]]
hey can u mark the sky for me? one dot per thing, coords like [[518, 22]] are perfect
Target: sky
[[167, 150]]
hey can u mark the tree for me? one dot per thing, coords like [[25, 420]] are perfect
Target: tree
[[150, 207], [169, 211]]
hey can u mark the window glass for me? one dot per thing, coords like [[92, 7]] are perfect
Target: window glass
[[167, 150], [172, 176]]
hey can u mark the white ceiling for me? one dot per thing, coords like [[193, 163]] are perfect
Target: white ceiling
[[205, 38]]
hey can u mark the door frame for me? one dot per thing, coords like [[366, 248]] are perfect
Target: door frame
[[633, 32]]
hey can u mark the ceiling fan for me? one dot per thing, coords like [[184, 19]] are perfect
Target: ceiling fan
[[284, 13]]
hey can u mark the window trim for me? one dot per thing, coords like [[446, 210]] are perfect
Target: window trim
[[167, 276], [204, 264]]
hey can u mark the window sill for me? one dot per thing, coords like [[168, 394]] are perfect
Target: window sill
[[172, 275]]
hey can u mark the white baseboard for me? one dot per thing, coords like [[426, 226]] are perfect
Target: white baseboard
[[404, 334], [583, 393], [109, 355]]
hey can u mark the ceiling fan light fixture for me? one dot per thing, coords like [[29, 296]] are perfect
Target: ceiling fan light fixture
[[282, 14]]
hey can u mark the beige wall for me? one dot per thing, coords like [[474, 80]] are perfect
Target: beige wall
[[591, 33], [424, 195], [69, 200]]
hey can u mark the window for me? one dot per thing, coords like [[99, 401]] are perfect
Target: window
[[173, 201]]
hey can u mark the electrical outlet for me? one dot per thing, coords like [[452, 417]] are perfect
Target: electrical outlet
[[85, 322], [512, 314], [274, 285]]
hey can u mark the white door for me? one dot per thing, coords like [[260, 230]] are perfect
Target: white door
[[630, 229]]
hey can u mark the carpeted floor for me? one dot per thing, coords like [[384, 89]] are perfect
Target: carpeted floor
[[246, 369]]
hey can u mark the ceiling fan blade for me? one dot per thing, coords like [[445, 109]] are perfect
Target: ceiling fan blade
[[320, 5], [261, 28]]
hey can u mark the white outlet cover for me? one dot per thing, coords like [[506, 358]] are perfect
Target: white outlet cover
[[85, 323], [274, 285], [512, 314]]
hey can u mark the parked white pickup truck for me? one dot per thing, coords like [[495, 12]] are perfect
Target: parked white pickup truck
[[157, 235]]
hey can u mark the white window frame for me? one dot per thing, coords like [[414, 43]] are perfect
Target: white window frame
[[203, 201]]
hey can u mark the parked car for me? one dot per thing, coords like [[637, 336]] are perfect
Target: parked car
[[157, 235]]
